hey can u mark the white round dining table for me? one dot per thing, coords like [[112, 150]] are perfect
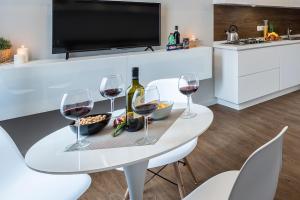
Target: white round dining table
[[49, 156]]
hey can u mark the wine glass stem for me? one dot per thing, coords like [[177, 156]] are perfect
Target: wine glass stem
[[112, 105], [146, 128], [188, 103], [78, 131]]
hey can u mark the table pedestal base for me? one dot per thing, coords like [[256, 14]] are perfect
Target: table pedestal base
[[135, 177]]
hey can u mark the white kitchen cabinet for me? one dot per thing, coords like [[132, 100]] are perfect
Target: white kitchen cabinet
[[243, 76], [257, 60], [257, 85], [271, 3], [290, 66]]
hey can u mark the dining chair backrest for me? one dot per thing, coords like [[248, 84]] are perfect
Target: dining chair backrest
[[11, 159], [259, 175], [168, 90]]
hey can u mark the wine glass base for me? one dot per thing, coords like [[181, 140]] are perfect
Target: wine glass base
[[146, 141], [188, 115], [78, 146]]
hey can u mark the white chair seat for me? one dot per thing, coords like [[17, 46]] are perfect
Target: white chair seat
[[216, 188], [172, 156], [31, 185]]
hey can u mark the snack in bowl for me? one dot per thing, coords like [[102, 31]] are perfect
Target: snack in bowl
[[92, 119], [91, 124], [163, 111]]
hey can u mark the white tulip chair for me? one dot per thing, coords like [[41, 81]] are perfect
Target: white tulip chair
[[168, 89], [18, 182], [257, 179]]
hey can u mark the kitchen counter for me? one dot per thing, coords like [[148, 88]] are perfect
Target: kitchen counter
[[221, 45], [250, 74]]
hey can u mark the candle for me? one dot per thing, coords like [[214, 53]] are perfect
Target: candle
[[19, 59], [24, 52], [193, 38], [193, 42]]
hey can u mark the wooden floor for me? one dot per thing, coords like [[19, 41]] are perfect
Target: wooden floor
[[233, 136]]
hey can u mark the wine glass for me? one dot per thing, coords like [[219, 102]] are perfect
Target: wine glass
[[111, 87], [145, 102], [188, 84], [75, 105]]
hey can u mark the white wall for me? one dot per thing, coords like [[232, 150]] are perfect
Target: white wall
[[29, 23], [194, 17]]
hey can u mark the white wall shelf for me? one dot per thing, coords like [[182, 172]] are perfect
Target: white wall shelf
[[38, 86]]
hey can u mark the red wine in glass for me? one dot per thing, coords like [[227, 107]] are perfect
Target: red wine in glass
[[188, 84], [188, 90], [112, 93], [144, 102], [111, 87], [145, 109], [75, 105], [76, 112]]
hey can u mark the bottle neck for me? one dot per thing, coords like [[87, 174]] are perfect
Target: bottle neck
[[135, 81]]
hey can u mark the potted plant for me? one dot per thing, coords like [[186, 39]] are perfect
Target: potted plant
[[6, 51]]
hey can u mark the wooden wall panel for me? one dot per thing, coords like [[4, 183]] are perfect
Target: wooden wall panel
[[247, 18]]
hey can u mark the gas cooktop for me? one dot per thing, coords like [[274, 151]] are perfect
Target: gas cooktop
[[248, 41]]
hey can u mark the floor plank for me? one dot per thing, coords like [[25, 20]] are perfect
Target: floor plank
[[233, 136]]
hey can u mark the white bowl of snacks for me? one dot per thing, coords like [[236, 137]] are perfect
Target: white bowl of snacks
[[163, 111]]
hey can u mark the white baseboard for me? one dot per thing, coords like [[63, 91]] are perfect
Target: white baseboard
[[210, 102], [258, 100]]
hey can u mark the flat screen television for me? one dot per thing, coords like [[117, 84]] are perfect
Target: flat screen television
[[89, 25]]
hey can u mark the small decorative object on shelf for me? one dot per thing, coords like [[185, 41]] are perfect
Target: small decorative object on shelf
[[194, 42], [177, 35], [186, 43], [18, 59], [171, 39], [6, 51], [23, 51], [172, 45], [22, 56]]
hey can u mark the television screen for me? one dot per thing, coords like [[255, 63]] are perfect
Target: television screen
[[87, 25]]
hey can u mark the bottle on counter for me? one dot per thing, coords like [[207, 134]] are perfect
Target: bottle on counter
[[134, 122], [177, 35], [171, 39], [266, 29]]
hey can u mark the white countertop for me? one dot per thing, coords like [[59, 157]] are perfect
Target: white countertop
[[221, 45]]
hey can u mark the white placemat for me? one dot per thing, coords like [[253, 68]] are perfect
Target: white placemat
[[105, 140]]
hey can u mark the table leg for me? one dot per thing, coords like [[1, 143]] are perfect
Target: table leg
[[135, 177]]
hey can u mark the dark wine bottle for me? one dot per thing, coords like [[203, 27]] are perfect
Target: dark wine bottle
[[134, 122], [177, 35]]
